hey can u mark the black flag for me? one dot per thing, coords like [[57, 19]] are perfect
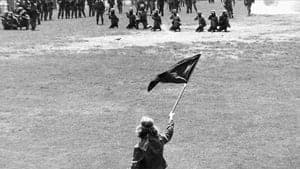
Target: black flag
[[179, 73]]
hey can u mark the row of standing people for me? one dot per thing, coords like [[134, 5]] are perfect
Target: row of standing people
[[76, 8], [151, 5], [71, 9]]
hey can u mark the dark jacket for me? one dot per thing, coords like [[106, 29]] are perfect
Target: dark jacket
[[148, 153], [100, 7], [132, 18], [113, 18], [213, 21], [157, 20], [224, 21], [201, 21]]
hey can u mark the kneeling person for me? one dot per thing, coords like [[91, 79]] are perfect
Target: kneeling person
[[213, 22], [223, 22], [175, 21], [132, 19], [202, 22], [113, 18], [157, 21], [142, 15]]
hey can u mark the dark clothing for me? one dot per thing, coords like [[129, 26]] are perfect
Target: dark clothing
[[120, 6], [160, 6], [248, 4], [195, 5], [111, 4], [148, 153], [114, 20], [74, 8], [175, 23], [202, 23], [39, 8], [34, 14], [100, 9], [142, 19], [189, 6], [157, 22], [61, 8], [213, 23], [44, 10], [223, 23], [91, 4], [132, 20], [228, 6], [81, 7], [49, 10], [68, 8]]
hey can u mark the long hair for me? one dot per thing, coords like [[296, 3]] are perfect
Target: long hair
[[146, 127]]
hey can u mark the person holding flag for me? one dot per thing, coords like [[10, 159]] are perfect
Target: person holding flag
[[148, 153]]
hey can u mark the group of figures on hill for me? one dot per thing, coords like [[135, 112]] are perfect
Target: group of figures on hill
[[145, 7], [32, 12], [216, 23]]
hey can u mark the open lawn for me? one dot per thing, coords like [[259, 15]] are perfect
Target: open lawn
[[72, 93]]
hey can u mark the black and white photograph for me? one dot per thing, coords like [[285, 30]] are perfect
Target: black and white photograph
[[149, 84]]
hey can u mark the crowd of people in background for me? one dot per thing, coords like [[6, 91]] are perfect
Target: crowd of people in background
[[42, 10]]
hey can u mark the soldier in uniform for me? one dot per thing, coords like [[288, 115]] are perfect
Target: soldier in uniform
[[202, 22], [157, 21], [74, 8], [113, 18], [120, 6], [34, 14], [67, 8], [44, 13], [81, 7], [175, 21], [213, 22], [142, 15], [132, 19], [61, 8], [50, 8], [100, 9], [228, 6], [248, 4], [223, 22], [39, 8], [160, 6], [148, 153], [91, 4], [189, 5]]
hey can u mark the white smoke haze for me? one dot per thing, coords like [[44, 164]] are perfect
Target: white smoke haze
[[273, 7]]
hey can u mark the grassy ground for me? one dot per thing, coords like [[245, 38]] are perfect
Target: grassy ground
[[77, 109]]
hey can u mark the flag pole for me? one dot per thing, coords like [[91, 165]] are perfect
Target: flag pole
[[172, 113]]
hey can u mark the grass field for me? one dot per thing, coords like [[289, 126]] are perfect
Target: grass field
[[72, 93]]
